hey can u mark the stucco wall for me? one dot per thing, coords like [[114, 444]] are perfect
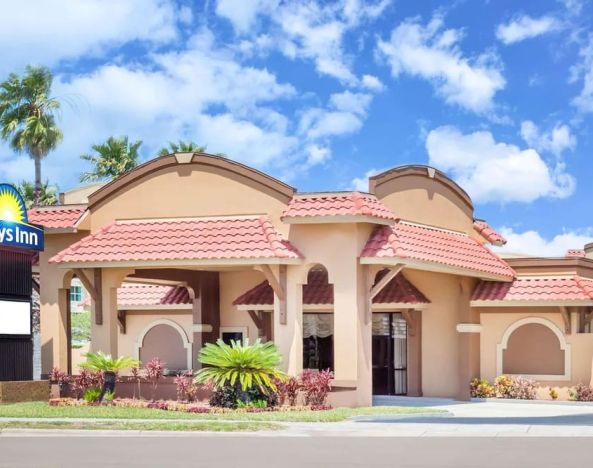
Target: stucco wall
[[188, 191], [232, 285], [496, 321], [440, 338], [424, 200]]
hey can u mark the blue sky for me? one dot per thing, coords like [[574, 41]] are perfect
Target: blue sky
[[498, 94]]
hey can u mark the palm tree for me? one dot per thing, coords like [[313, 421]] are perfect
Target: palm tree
[[182, 147], [27, 117], [48, 195], [111, 159]]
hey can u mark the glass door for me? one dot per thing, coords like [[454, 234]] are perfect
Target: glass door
[[390, 355]]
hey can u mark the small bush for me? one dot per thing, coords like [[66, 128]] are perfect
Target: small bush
[[515, 387], [224, 397], [481, 388], [316, 386], [84, 380], [154, 371], [92, 395], [288, 390], [553, 393], [581, 393], [187, 389]]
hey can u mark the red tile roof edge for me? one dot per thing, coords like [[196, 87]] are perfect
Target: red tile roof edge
[[579, 287], [488, 233], [56, 216]]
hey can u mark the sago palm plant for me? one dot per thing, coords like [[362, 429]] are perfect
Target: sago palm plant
[[100, 362], [248, 365]]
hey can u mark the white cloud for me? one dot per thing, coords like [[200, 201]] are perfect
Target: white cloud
[[525, 27], [243, 14], [372, 83], [362, 183], [584, 69], [345, 115], [432, 53], [533, 243], [173, 98], [47, 31], [305, 30], [317, 155], [557, 140], [496, 172]]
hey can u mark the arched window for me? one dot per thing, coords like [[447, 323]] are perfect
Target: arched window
[[166, 340], [318, 320], [536, 348]]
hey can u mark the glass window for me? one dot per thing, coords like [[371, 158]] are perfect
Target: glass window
[[318, 341], [76, 294]]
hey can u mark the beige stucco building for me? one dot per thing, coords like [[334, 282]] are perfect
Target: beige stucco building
[[395, 290]]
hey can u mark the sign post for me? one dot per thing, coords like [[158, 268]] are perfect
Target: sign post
[[19, 240]]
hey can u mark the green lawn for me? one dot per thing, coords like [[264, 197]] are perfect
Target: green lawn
[[43, 410], [214, 426]]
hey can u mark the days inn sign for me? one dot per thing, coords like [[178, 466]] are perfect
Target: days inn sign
[[15, 231]]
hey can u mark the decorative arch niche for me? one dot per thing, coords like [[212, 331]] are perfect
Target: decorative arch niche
[[531, 343], [172, 326]]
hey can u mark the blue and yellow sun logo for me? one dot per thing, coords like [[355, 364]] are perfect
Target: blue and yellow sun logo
[[12, 206]]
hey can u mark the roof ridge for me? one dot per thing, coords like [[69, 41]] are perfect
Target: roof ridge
[[434, 228], [187, 219]]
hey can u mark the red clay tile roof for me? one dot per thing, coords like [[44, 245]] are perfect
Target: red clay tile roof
[[189, 239], [432, 245], [56, 217], [573, 288], [486, 231], [399, 291], [337, 204], [317, 291], [575, 253], [151, 295]]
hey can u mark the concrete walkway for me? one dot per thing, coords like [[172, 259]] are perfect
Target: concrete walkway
[[476, 419]]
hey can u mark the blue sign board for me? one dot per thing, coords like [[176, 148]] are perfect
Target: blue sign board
[[15, 231]]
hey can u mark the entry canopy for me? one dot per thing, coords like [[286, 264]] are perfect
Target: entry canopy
[[181, 242], [318, 292]]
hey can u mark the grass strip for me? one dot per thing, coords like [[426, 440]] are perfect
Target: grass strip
[[144, 426], [43, 410]]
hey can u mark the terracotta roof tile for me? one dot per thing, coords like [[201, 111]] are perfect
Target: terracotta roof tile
[[575, 253], [317, 291], [188, 239], [56, 217], [437, 246], [536, 289], [337, 204], [488, 233], [151, 295]]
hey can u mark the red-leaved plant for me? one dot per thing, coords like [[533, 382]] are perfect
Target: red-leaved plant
[[154, 371], [136, 374], [288, 390], [316, 386], [187, 390], [84, 380]]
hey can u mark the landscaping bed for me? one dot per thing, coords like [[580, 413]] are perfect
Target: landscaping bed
[[41, 410]]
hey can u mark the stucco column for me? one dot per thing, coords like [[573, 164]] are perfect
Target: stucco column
[[414, 344], [104, 337], [468, 330], [346, 321], [288, 336]]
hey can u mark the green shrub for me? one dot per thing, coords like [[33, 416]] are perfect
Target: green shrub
[[247, 365], [92, 395]]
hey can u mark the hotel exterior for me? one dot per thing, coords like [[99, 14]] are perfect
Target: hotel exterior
[[396, 289]]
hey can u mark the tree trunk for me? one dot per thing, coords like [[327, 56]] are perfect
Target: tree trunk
[[37, 194]]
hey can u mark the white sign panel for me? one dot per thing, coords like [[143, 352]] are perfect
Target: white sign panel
[[15, 318]]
